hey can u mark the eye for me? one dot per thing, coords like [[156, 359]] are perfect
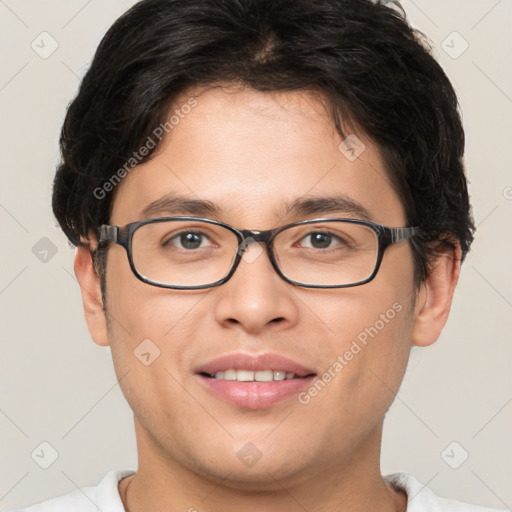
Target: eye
[[188, 240], [321, 240]]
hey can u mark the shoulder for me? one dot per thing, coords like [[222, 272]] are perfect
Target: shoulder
[[421, 499], [104, 496]]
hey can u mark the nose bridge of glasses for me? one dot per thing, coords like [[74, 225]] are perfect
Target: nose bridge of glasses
[[250, 235]]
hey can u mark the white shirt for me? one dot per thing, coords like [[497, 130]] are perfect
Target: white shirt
[[105, 497]]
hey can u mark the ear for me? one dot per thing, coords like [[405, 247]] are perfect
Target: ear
[[435, 297], [91, 295]]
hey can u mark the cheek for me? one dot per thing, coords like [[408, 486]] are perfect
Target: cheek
[[147, 330], [365, 340], [158, 321], [364, 334], [139, 310], [148, 339], [363, 365]]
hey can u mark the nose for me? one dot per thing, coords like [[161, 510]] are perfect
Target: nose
[[255, 297]]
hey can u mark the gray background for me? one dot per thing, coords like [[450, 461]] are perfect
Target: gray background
[[59, 387]]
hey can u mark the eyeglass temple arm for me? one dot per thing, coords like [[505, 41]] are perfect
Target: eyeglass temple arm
[[399, 234], [108, 233]]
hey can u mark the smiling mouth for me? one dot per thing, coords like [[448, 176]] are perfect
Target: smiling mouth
[[255, 376]]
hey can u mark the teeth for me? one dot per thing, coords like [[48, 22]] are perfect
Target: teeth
[[259, 376]]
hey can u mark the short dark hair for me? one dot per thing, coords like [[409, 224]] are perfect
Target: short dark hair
[[371, 69]]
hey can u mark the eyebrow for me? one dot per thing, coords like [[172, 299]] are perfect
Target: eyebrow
[[338, 204], [172, 204]]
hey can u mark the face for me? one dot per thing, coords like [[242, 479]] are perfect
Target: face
[[250, 153]]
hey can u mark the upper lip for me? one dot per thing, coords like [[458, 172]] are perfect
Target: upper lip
[[254, 362]]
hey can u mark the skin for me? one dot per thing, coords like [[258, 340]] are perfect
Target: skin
[[249, 151]]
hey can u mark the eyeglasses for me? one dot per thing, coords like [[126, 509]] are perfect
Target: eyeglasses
[[187, 253]]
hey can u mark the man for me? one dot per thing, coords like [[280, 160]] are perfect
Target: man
[[270, 208]]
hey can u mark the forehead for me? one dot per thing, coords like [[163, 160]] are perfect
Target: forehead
[[249, 156]]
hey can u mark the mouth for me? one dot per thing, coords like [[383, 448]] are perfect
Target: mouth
[[255, 376], [254, 381]]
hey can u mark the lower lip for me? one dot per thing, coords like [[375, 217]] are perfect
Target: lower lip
[[255, 395]]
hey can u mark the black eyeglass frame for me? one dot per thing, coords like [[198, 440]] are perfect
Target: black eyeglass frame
[[123, 236]]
